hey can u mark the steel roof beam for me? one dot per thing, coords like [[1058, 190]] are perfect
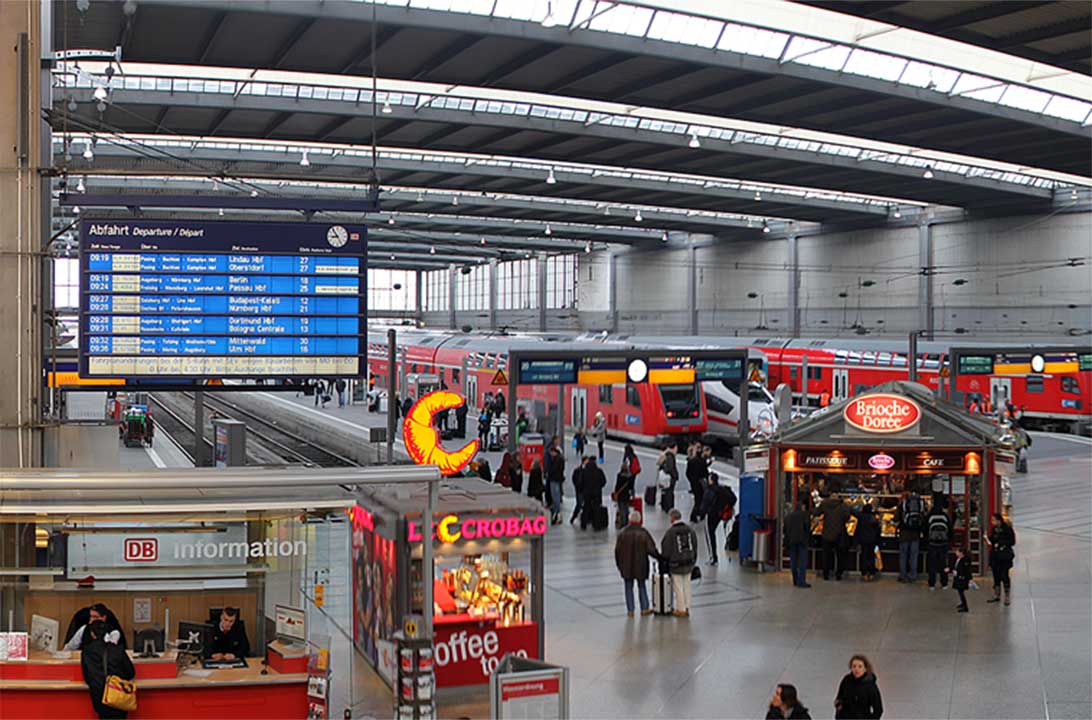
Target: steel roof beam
[[285, 107], [215, 161]]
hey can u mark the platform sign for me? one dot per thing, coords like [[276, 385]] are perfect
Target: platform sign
[[976, 364], [546, 372], [220, 299], [726, 369]]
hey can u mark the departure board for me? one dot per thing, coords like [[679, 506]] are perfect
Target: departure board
[[547, 372], [177, 299], [975, 365]]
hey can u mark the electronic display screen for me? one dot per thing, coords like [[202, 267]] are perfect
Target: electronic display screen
[[1084, 361], [547, 372], [975, 365], [178, 299], [719, 369]]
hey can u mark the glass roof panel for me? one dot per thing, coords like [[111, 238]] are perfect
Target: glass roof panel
[[875, 65]]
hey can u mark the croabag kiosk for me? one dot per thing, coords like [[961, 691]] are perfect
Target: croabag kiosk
[[871, 448], [487, 576]]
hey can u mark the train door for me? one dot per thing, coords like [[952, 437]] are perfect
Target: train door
[[1000, 391], [840, 382], [578, 401], [471, 390]]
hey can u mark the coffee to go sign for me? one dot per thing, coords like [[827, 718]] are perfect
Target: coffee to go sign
[[882, 413]]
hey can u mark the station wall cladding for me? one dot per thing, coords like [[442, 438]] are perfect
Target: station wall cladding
[[992, 275]]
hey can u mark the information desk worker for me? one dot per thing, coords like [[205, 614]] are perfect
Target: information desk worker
[[75, 637], [229, 639]]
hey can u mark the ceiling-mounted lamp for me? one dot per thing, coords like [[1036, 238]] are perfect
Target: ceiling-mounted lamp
[[638, 217], [898, 213], [1073, 194], [387, 109], [587, 247], [664, 238], [75, 209], [928, 174], [253, 193], [483, 240], [432, 250], [765, 227], [390, 220], [80, 187], [88, 151], [454, 199], [548, 230], [100, 93], [392, 257], [550, 179], [305, 160], [758, 195], [221, 212], [606, 209], [694, 142]]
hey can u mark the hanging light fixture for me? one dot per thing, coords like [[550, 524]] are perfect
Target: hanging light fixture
[[606, 209], [765, 227], [392, 257], [694, 142], [420, 197], [548, 230], [80, 187], [637, 216], [390, 220], [758, 195], [587, 247], [550, 179], [253, 193], [928, 174], [454, 199], [88, 152], [897, 213], [1073, 194], [305, 161], [100, 93], [432, 250], [75, 209], [483, 240], [387, 109], [72, 106]]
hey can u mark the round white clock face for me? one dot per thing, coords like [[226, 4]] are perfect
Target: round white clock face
[[1038, 363], [337, 236], [637, 371]]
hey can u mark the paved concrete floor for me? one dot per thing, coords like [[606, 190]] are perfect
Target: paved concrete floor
[[750, 631]]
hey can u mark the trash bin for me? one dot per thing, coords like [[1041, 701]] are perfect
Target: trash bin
[[762, 540], [532, 446]]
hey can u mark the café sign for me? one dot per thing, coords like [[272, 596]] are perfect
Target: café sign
[[882, 413]]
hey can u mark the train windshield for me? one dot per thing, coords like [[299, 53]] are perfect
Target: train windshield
[[680, 401], [757, 393]]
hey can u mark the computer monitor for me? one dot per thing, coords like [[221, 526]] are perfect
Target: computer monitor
[[214, 615], [195, 637], [290, 624], [44, 633], [149, 641]]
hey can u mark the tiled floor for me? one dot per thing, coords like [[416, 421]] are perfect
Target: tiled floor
[[750, 631]]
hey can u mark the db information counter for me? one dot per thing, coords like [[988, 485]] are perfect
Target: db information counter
[[487, 576], [870, 449], [165, 552]]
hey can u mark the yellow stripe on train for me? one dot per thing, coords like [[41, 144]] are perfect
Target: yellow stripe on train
[[73, 379]]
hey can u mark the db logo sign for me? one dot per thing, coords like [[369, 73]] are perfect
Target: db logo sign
[[141, 549]]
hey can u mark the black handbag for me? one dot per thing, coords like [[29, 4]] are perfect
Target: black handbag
[[695, 573]]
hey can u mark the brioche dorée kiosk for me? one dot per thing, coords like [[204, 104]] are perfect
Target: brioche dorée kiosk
[[870, 448]]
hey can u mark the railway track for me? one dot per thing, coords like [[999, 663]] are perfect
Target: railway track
[[291, 447], [169, 422]]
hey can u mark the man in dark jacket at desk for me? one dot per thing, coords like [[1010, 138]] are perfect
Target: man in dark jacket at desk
[[100, 659], [229, 640], [797, 533], [835, 541]]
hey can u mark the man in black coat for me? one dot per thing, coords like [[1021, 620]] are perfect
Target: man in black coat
[[715, 498], [229, 640], [592, 482], [797, 534], [460, 420], [100, 659]]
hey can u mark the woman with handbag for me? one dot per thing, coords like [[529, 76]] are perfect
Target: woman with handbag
[[623, 486], [107, 670], [1001, 540]]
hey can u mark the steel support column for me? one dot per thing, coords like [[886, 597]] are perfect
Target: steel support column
[[452, 278], [612, 290], [692, 285], [925, 279], [794, 285], [540, 269], [493, 294], [418, 308]]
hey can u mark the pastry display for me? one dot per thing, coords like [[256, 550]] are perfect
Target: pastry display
[[484, 586]]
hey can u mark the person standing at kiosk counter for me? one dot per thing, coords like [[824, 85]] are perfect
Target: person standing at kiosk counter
[[229, 640]]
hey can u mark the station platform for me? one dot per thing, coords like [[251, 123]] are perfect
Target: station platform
[[749, 631], [163, 453]]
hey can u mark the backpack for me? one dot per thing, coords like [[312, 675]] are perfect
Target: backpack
[[686, 553], [912, 517], [938, 530]]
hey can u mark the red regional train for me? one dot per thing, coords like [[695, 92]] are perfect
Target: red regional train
[[1055, 396]]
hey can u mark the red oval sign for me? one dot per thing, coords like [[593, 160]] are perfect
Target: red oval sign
[[881, 461], [882, 413]]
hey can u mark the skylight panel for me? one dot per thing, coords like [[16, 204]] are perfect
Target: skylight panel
[[520, 9], [875, 65], [1025, 98], [686, 29], [1068, 108], [930, 77], [623, 19], [987, 94], [473, 7]]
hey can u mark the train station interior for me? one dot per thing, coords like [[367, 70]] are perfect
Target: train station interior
[[546, 359]]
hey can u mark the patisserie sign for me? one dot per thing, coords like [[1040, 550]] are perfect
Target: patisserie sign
[[452, 528], [882, 413]]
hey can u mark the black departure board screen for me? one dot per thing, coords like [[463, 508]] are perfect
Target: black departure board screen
[[179, 299]]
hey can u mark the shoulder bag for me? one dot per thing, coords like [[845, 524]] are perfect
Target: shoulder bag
[[117, 693]]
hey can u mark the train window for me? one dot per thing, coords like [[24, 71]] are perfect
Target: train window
[[413, 368], [858, 389], [869, 358], [1070, 385], [792, 373], [1034, 383], [898, 360], [717, 405], [840, 357], [455, 375], [815, 373], [632, 396], [489, 361], [932, 361], [606, 394], [883, 358]]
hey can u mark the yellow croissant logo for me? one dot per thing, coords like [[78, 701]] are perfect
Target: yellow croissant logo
[[422, 439]]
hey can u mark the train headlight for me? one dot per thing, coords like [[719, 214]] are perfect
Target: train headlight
[[637, 370]]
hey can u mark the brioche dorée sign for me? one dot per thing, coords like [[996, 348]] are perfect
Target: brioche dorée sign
[[882, 413]]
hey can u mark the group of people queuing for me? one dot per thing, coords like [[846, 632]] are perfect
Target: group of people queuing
[[916, 528], [858, 696]]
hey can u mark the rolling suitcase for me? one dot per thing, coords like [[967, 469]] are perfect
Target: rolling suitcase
[[663, 594], [600, 518], [667, 499], [650, 496]]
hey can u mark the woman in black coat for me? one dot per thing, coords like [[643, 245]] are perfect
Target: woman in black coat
[[785, 705], [535, 487], [1001, 540], [99, 659], [867, 536], [858, 694]]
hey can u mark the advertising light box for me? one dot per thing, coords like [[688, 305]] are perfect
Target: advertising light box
[[221, 299]]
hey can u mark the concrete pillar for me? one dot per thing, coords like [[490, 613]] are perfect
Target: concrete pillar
[[925, 280], [24, 150], [794, 286], [692, 285], [418, 310], [452, 278], [540, 269], [612, 290], [493, 294]]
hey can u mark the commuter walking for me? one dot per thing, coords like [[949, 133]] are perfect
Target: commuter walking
[[407, 405], [631, 553], [592, 483], [99, 659], [598, 433], [624, 483], [961, 578], [460, 420], [717, 501], [858, 694], [578, 486], [938, 535], [910, 519], [1001, 540], [697, 473], [797, 534], [535, 486], [515, 473], [867, 536], [679, 548], [835, 541], [785, 705], [555, 477], [339, 386], [485, 419], [320, 390], [580, 441]]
